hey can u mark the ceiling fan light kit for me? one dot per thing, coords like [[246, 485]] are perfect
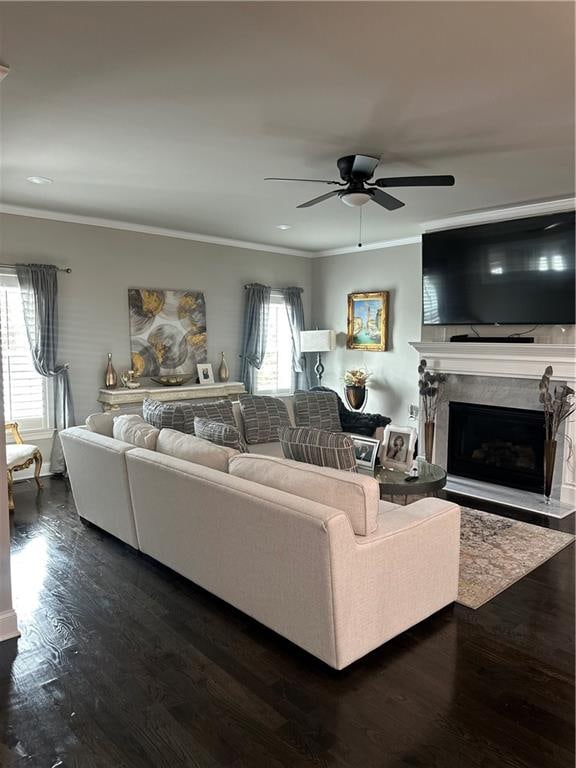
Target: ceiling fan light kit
[[355, 172]]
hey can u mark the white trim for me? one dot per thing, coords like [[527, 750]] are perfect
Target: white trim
[[452, 222], [501, 214], [370, 246], [524, 361], [94, 221], [8, 625]]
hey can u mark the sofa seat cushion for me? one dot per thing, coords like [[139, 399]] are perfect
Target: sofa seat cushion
[[219, 434], [316, 446], [267, 449], [101, 423], [318, 410], [181, 415], [356, 495], [262, 416], [131, 428], [171, 442]]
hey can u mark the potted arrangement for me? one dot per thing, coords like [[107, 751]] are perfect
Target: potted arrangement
[[429, 386], [355, 381], [558, 406]]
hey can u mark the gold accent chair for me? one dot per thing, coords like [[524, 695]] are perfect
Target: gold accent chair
[[20, 455]]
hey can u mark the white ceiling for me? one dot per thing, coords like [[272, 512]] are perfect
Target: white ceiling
[[170, 115]]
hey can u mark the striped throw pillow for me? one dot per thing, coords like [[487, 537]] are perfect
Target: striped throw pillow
[[316, 446], [263, 416], [219, 434], [181, 415], [318, 410]]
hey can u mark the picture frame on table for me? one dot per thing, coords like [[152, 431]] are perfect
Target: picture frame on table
[[398, 447], [205, 373], [366, 451]]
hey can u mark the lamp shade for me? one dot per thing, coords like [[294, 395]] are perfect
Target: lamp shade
[[317, 341]]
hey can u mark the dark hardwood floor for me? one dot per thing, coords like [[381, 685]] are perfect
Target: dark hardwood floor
[[122, 663]]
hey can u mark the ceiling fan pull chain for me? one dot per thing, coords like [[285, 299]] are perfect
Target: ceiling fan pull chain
[[360, 230]]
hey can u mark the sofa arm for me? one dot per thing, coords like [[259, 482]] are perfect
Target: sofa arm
[[395, 577]]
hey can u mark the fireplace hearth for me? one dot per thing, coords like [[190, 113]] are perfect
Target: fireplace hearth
[[504, 446]]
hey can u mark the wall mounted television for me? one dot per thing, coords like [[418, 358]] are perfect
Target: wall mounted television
[[518, 272]]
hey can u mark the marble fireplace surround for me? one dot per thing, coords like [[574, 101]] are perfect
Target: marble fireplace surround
[[502, 375]]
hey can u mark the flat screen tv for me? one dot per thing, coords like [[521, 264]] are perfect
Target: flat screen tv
[[519, 272]]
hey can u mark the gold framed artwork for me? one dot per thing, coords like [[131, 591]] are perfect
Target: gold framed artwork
[[368, 321]]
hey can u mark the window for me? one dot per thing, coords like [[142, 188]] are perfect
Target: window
[[276, 377], [25, 391]]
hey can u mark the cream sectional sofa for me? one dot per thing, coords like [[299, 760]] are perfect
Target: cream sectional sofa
[[311, 553]]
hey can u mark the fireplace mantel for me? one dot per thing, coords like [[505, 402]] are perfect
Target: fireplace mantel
[[525, 361]]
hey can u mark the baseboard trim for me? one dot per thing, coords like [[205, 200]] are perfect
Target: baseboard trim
[[8, 625]]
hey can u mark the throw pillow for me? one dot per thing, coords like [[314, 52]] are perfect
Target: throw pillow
[[101, 423], [318, 410], [132, 429], [181, 415], [263, 416], [316, 446], [220, 434], [195, 449]]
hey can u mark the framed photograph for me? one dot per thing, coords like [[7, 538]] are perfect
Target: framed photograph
[[368, 321], [398, 447], [366, 450], [205, 373]]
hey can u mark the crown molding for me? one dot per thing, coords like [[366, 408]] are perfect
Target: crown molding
[[501, 214], [369, 246], [127, 226]]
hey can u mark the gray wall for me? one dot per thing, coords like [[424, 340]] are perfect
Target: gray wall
[[393, 386], [106, 262]]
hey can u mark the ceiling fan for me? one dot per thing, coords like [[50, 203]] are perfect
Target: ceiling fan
[[355, 172]]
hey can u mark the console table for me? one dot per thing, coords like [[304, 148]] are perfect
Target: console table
[[123, 399]]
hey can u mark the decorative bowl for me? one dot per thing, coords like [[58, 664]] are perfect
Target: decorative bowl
[[132, 384], [171, 381]]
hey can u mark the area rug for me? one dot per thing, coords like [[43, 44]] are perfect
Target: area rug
[[495, 552]]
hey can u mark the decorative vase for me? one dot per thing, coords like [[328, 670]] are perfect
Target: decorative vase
[[111, 377], [223, 372], [356, 397], [429, 440], [549, 461]]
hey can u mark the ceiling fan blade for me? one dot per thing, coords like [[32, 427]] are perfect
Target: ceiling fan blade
[[320, 199], [364, 164], [386, 200], [313, 181], [415, 181]]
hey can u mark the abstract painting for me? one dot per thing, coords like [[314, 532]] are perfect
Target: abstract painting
[[368, 321], [167, 331]]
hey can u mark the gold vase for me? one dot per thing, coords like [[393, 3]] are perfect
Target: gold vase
[[429, 440], [223, 372], [549, 461], [111, 377]]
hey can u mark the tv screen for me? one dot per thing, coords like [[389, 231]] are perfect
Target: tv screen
[[519, 272]]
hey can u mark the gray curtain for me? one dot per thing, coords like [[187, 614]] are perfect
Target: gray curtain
[[256, 312], [39, 292], [295, 310]]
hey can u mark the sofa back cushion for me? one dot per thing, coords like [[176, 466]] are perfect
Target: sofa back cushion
[[101, 423], [316, 446], [171, 442], [181, 415], [219, 434], [318, 410], [356, 495], [131, 428], [262, 417]]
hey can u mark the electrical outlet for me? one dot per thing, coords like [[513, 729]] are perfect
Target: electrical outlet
[[413, 412]]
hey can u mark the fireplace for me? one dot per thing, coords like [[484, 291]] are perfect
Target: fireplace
[[497, 445]]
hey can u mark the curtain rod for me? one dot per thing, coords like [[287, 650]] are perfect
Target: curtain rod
[[58, 269]]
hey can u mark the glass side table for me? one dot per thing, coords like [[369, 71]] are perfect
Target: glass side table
[[431, 478]]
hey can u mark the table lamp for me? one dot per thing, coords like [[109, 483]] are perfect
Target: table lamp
[[318, 341]]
